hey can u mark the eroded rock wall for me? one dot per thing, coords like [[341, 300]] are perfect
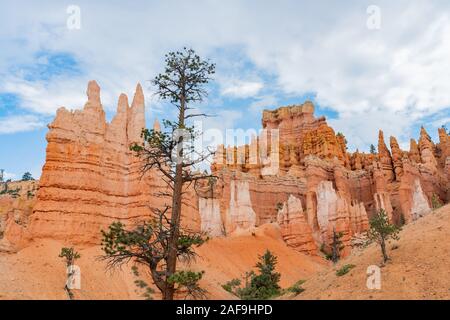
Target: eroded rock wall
[[17, 200], [307, 182], [317, 187], [91, 178]]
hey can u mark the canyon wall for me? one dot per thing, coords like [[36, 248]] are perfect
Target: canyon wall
[[91, 178], [313, 187], [297, 174], [17, 200]]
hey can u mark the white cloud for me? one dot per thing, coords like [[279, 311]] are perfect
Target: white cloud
[[263, 102], [8, 175], [215, 128], [441, 122], [242, 89], [45, 99], [19, 123], [400, 72], [360, 132]]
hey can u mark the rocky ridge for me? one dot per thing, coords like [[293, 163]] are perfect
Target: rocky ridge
[[318, 187], [308, 183]]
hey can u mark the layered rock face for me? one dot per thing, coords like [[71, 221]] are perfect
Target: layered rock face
[[295, 229], [17, 200], [297, 173], [91, 178], [312, 186]]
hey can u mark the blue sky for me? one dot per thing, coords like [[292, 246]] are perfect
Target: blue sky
[[394, 77]]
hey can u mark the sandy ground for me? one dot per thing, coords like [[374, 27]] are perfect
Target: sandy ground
[[419, 269], [37, 272], [228, 258]]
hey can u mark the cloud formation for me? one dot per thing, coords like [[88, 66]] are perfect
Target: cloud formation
[[397, 76], [19, 123], [242, 89], [8, 175]]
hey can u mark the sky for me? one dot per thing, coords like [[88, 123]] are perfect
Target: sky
[[366, 65]]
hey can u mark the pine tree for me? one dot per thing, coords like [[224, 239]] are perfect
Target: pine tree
[[69, 255], [372, 149], [147, 244], [172, 153], [265, 284], [336, 246], [382, 230], [27, 176]]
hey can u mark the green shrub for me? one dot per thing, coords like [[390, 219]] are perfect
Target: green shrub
[[402, 221], [232, 285], [27, 177], [147, 292], [345, 269], [382, 230], [261, 286], [296, 288], [327, 255], [188, 281], [69, 255], [279, 206], [435, 202]]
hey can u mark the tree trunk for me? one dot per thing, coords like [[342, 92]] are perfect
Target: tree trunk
[[176, 211], [175, 221], [383, 250], [335, 249]]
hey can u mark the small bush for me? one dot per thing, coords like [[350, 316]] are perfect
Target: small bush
[[147, 292], [69, 255], [27, 177], [189, 282], [327, 255], [344, 270], [232, 286], [261, 286], [402, 221], [279, 206], [14, 193], [435, 202], [382, 230], [296, 288]]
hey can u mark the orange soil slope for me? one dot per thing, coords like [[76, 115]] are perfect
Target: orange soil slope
[[37, 272], [228, 258], [419, 268]]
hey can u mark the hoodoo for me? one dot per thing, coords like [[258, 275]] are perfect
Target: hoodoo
[[91, 178], [319, 187], [307, 183]]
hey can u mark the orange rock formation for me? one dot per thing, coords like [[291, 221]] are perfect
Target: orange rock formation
[[91, 178], [308, 183], [317, 187]]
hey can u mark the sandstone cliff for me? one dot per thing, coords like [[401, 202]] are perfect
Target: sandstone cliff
[[297, 173], [313, 186], [91, 178], [17, 199]]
